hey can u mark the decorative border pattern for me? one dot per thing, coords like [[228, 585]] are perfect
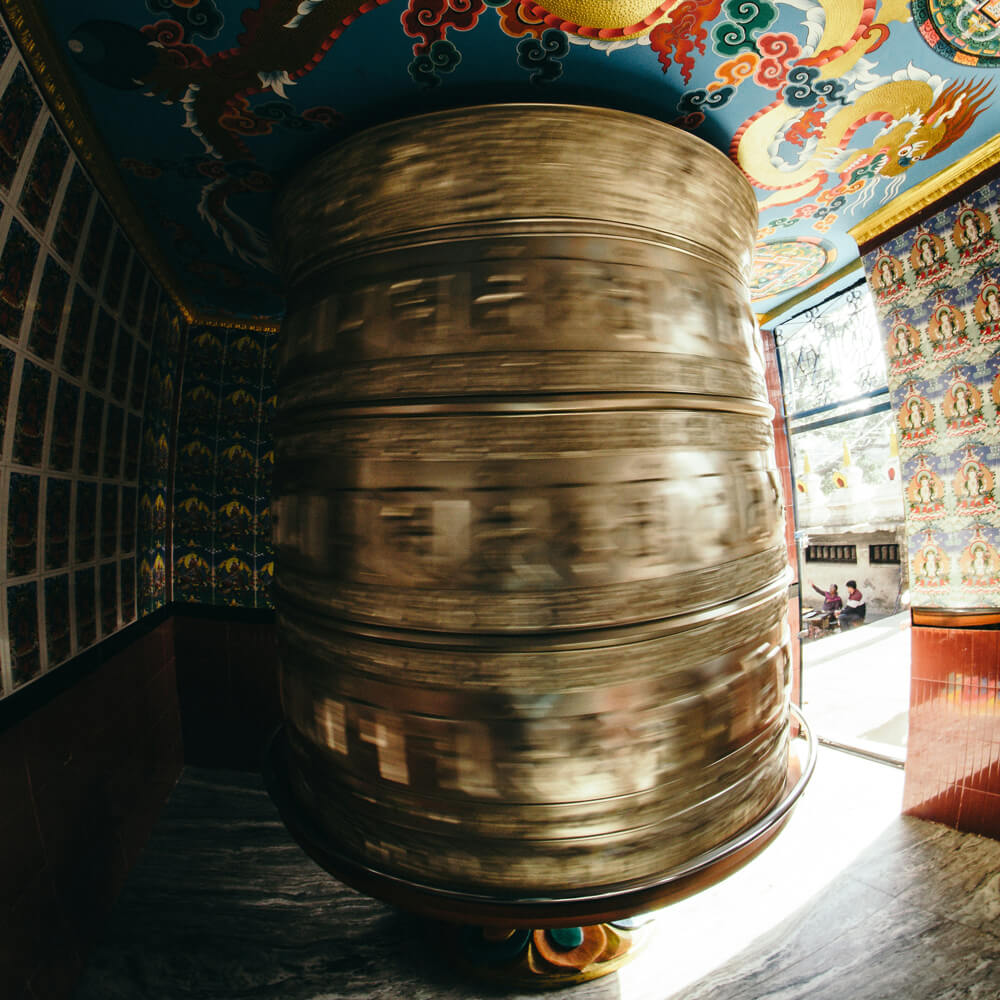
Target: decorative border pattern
[[935, 189]]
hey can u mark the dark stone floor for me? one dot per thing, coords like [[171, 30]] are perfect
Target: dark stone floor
[[851, 902]]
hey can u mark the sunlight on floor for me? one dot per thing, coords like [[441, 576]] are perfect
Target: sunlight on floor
[[846, 807], [856, 686]]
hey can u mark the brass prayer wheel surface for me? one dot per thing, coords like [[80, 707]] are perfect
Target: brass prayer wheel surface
[[530, 550]]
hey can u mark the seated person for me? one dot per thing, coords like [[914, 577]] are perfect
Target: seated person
[[855, 610], [832, 603]]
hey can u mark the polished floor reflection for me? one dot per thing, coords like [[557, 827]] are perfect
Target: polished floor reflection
[[853, 901]]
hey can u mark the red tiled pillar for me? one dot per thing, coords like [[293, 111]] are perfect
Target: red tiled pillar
[[782, 456], [953, 750]]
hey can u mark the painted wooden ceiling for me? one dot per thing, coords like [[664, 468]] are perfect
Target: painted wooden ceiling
[[830, 107]]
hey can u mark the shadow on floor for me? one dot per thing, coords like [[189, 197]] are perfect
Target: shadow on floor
[[851, 902]]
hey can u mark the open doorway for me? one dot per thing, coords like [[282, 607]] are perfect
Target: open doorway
[[850, 527]]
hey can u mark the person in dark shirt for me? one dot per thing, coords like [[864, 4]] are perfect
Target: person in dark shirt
[[855, 610]]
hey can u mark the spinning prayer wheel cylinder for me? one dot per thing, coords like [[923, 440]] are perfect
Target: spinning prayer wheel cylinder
[[531, 569]]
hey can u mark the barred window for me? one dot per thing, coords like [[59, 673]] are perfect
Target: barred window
[[883, 554], [832, 553]]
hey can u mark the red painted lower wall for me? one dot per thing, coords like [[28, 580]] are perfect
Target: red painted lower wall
[[227, 678], [82, 781], [953, 750]]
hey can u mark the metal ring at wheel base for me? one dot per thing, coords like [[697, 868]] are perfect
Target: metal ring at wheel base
[[565, 910]]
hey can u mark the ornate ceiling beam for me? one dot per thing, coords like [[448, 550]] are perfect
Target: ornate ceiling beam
[[44, 60], [928, 196]]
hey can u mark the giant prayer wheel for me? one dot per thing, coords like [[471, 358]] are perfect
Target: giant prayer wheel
[[530, 567]]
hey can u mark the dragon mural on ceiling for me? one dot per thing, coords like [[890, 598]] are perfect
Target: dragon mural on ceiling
[[828, 131]]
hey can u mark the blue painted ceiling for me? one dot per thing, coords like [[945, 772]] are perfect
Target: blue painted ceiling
[[831, 107]]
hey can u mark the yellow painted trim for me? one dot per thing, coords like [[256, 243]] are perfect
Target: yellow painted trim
[[260, 324], [842, 272], [927, 192], [41, 55]]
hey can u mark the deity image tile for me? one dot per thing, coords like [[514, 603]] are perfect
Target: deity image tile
[[196, 460], [153, 579], [72, 215], [22, 524], [57, 511], [6, 380], [193, 576], [133, 292], [140, 369], [114, 281], [235, 523], [239, 410], [144, 509], [86, 521], [157, 513], [17, 265], [269, 402], [129, 499], [43, 178], [57, 637], [237, 463], [90, 435], [262, 523], [151, 536], [29, 424], [973, 483], [113, 441], [131, 466], [123, 359], [100, 356], [159, 451], [234, 579], [978, 560], [62, 441], [986, 306], [44, 334], [244, 359], [150, 300], [159, 394], [20, 105], [205, 350], [22, 620], [200, 408], [109, 519], [194, 520], [109, 598], [85, 593], [265, 468], [81, 313], [127, 578], [962, 404], [263, 579], [92, 262]]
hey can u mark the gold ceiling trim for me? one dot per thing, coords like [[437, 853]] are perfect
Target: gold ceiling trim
[[841, 272], [927, 192], [258, 325], [41, 54]]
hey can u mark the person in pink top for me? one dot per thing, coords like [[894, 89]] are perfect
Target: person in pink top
[[832, 601]]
